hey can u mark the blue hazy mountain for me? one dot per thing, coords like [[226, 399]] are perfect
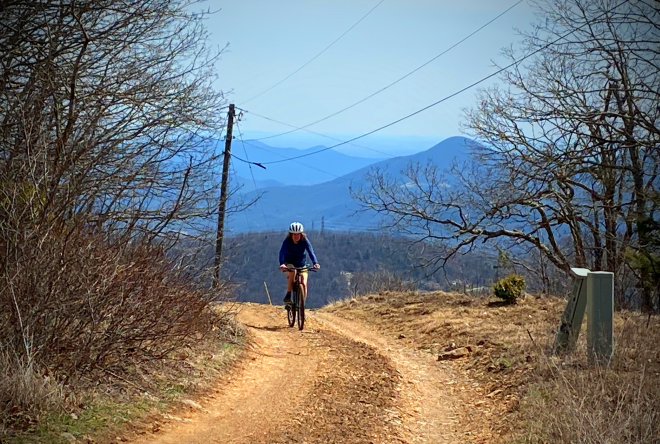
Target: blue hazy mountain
[[331, 200], [313, 169], [247, 185]]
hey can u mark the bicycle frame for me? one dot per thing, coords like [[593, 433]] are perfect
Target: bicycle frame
[[298, 296]]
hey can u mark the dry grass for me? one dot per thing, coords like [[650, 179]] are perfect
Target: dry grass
[[529, 395], [25, 389], [124, 403], [571, 402], [90, 320]]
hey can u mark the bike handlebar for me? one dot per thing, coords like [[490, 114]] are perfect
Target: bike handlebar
[[303, 268]]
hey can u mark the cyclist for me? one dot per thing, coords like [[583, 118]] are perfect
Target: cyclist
[[292, 254]]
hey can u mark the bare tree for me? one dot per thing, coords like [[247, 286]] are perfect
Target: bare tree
[[108, 109], [109, 122], [567, 151]]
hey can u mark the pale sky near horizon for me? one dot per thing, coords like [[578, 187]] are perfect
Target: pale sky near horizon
[[269, 39]]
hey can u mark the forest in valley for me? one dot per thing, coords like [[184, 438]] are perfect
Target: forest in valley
[[362, 262]]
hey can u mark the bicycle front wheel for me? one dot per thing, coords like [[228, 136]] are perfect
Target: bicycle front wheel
[[301, 308], [291, 315], [293, 308]]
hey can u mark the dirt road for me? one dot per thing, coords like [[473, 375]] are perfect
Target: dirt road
[[335, 382]]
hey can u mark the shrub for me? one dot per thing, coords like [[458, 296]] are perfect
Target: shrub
[[510, 288], [86, 302]]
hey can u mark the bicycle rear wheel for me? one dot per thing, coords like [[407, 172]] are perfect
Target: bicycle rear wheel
[[301, 309]]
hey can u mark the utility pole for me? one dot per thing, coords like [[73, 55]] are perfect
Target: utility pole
[[223, 197]]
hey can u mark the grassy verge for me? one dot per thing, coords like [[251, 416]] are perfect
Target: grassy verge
[[530, 396], [572, 402], [111, 406]]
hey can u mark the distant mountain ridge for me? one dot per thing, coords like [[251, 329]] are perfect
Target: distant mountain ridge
[[310, 170], [247, 185], [331, 201]]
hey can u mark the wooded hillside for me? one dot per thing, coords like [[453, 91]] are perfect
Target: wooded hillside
[[372, 261]]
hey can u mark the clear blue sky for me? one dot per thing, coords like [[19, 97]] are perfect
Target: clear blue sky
[[269, 39]]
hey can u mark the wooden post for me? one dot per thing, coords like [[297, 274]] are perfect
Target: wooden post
[[267, 293], [223, 197]]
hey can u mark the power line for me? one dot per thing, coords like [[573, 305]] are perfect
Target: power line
[[345, 226], [296, 161], [246, 155], [317, 55], [254, 182], [312, 132], [393, 83], [238, 184], [247, 220], [515, 62], [247, 161], [284, 157]]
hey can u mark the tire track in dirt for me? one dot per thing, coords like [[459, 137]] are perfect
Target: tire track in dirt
[[252, 402], [426, 403], [335, 382], [353, 398]]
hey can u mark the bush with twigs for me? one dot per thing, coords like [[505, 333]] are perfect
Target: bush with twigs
[[90, 307], [107, 161]]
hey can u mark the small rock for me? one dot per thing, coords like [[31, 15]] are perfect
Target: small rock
[[449, 347], [68, 436], [401, 336], [192, 404], [454, 354]]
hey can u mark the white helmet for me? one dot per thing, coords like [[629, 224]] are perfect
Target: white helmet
[[296, 227]]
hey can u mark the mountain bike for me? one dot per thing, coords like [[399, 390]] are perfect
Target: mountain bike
[[298, 296]]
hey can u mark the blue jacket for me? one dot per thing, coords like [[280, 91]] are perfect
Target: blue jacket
[[294, 253]]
